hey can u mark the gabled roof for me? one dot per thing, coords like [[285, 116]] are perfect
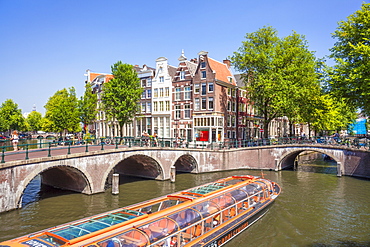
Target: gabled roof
[[222, 71]]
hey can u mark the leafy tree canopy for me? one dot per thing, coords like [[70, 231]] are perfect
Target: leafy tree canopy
[[350, 77], [279, 73], [88, 105], [33, 121], [11, 117], [121, 95], [62, 113]]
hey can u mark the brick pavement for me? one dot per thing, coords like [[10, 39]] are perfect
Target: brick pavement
[[54, 151]]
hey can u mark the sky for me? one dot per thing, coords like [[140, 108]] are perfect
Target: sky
[[46, 46]]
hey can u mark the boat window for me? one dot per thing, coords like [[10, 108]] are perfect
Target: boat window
[[239, 195], [251, 188], [185, 217], [127, 239], [51, 239], [223, 201], [159, 229], [206, 208]]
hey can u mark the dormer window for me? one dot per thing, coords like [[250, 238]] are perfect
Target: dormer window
[[182, 75], [203, 64], [161, 79]]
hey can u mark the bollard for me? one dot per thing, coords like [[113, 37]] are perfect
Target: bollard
[[173, 174], [115, 184]]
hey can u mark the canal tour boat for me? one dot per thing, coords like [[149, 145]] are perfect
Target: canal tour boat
[[208, 215]]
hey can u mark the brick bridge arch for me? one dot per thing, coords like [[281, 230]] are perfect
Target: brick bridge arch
[[59, 176]]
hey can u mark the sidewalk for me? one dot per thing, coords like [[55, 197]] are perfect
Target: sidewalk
[[54, 151]]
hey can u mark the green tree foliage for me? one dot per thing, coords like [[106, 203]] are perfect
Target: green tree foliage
[[62, 113], [33, 121], [121, 95], [350, 77], [88, 106], [279, 73], [11, 117]]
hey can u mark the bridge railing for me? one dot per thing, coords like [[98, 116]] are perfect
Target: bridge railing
[[51, 147]]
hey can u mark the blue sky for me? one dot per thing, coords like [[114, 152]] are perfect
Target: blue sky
[[48, 45]]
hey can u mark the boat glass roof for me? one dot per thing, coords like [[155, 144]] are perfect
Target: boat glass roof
[[90, 225]]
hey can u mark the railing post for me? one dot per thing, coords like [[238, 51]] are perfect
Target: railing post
[[116, 142], [49, 151], [69, 147], [87, 149], [102, 144], [27, 152], [3, 155]]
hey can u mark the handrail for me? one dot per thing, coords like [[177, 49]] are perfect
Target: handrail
[[50, 146]]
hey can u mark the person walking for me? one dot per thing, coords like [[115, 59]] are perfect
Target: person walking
[[15, 139]]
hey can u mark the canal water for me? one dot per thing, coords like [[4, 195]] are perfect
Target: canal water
[[315, 208]]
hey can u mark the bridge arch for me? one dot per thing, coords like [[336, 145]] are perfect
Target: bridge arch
[[288, 159], [185, 163], [138, 165], [59, 176]]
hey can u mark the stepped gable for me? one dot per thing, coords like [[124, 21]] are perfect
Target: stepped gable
[[222, 71]]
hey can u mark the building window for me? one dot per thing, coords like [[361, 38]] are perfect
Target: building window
[[203, 64], [161, 79], [161, 93], [167, 92], [210, 87], [177, 94], [182, 75], [187, 95], [204, 74], [167, 105], [155, 93], [149, 93], [149, 107], [143, 107], [161, 106], [234, 107], [155, 105], [143, 83], [143, 94], [149, 82], [204, 88], [196, 104], [210, 103], [177, 111], [204, 103], [196, 88], [229, 91], [187, 111], [228, 105], [233, 121]]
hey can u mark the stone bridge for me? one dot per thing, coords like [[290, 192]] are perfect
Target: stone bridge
[[91, 172]]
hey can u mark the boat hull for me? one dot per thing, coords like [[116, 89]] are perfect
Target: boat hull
[[229, 230]]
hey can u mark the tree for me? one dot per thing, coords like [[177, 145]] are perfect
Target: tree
[[279, 74], [11, 117], [33, 121], [88, 106], [350, 77], [62, 112], [121, 95]]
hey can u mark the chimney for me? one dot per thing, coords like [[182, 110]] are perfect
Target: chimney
[[227, 62]]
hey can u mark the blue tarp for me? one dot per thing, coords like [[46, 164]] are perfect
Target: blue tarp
[[359, 128]]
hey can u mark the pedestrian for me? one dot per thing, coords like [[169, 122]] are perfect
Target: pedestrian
[[15, 138]]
